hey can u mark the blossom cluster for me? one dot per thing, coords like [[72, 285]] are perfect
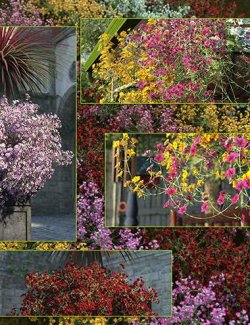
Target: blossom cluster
[[164, 60], [86, 290], [91, 228], [22, 13], [30, 148], [196, 303]]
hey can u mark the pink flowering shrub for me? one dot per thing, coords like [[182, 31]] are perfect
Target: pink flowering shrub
[[22, 13], [30, 148]]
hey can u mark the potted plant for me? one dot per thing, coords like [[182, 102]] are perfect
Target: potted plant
[[30, 149]]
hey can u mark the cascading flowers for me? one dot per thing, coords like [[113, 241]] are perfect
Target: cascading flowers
[[209, 171]]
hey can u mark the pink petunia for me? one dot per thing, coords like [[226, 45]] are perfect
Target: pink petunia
[[235, 199], [240, 142], [193, 150], [159, 157], [160, 146], [204, 207], [232, 157], [230, 173], [221, 198], [166, 204], [182, 210], [241, 185], [171, 191]]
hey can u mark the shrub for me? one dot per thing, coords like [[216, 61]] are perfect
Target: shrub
[[172, 60], [30, 148], [87, 291]]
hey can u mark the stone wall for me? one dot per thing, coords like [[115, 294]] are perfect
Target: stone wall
[[58, 195]]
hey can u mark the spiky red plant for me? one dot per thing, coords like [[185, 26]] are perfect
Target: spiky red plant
[[26, 56]]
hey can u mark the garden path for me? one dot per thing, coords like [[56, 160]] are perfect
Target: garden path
[[57, 228]]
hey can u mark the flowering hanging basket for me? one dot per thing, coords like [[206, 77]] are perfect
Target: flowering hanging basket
[[16, 222]]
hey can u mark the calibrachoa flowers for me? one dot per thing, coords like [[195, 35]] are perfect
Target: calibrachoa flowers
[[190, 166], [171, 60], [87, 291], [30, 148]]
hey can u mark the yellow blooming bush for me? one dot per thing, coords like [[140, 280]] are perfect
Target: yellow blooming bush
[[210, 171], [68, 12]]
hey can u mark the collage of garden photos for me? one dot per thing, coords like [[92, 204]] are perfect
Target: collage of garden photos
[[124, 162]]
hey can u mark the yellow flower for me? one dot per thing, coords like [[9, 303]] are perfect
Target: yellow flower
[[194, 171], [130, 152], [136, 179], [134, 140], [246, 175], [120, 173], [125, 136], [116, 144], [184, 174], [200, 182], [191, 187]]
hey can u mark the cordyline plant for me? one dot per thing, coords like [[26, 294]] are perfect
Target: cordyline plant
[[173, 60], [209, 171], [27, 54], [30, 148], [86, 291]]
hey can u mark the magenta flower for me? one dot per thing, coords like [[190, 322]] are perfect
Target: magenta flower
[[241, 185], [160, 146], [193, 149], [221, 198], [182, 210], [204, 207], [171, 191], [166, 204], [230, 173], [240, 142], [159, 157], [232, 157], [235, 199]]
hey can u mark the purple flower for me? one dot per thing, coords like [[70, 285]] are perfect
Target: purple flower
[[30, 148]]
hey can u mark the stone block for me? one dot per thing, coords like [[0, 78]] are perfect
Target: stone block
[[16, 225]]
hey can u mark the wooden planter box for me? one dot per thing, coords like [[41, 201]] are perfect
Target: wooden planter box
[[17, 224]]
